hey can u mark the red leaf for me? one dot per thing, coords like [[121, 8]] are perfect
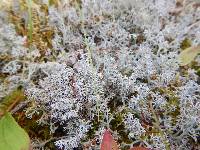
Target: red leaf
[[107, 141], [139, 148]]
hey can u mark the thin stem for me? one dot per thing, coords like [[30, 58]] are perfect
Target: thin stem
[[84, 33], [49, 140], [94, 71], [157, 125], [30, 22]]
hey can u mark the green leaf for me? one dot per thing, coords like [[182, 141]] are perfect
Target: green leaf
[[188, 55], [12, 136]]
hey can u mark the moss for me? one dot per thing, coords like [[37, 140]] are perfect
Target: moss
[[186, 43], [41, 32], [34, 130], [198, 72], [124, 137], [174, 102], [114, 103], [116, 123], [95, 126], [195, 65]]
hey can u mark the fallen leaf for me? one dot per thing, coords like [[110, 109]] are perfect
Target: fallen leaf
[[139, 148], [108, 143], [188, 55]]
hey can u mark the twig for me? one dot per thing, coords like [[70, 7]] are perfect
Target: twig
[[49, 140], [13, 104], [19, 106]]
